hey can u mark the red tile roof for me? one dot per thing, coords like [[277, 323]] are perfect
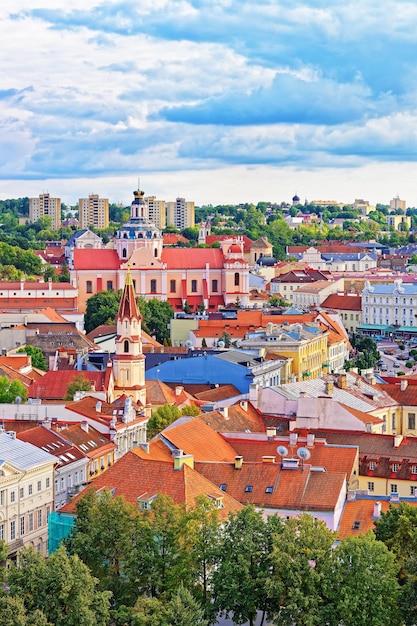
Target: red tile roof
[[210, 239], [54, 384], [134, 477], [406, 397], [361, 511], [52, 442], [343, 302], [171, 239], [192, 258], [87, 259]]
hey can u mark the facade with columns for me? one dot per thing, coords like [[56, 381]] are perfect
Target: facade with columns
[[203, 277]]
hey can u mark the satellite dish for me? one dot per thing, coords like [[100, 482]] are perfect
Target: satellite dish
[[304, 454], [282, 451], [189, 343], [220, 344]]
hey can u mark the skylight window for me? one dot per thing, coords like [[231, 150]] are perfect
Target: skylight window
[[223, 486], [248, 488], [269, 489]]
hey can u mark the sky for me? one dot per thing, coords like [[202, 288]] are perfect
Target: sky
[[217, 101]]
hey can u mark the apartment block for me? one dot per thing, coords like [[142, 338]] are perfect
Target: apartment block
[[156, 211], [45, 206], [180, 213], [93, 211]]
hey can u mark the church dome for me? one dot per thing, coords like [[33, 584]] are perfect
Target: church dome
[[235, 249]]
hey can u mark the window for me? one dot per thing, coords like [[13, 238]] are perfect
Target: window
[[109, 285], [414, 469], [125, 346], [371, 486], [214, 285], [39, 485], [12, 530], [194, 286], [395, 467], [393, 488], [2, 499], [237, 279], [31, 522], [372, 465], [248, 488], [48, 483], [1, 532], [153, 285], [413, 490], [22, 526], [39, 518], [21, 492], [223, 486], [393, 422], [30, 489], [76, 478], [89, 286], [173, 286], [12, 496], [411, 421], [269, 489], [62, 483]]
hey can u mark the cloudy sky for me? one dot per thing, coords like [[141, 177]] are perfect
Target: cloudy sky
[[213, 100]]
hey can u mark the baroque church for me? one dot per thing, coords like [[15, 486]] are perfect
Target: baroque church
[[205, 278]]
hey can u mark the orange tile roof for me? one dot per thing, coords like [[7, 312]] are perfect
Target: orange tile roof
[[238, 420], [52, 442], [366, 418], [406, 397], [218, 393], [197, 438], [361, 510], [90, 441], [296, 490], [133, 477], [55, 383]]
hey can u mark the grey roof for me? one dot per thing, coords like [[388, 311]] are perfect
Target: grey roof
[[364, 397], [22, 455], [356, 256], [406, 289]]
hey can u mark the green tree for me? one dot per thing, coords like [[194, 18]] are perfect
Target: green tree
[[300, 559], [37, 356], [156, 316], [12, 389], [64, 276], [277, 301], [161, 418], [184, 610], [244, 566], [61, 587], [102, 538], [362, 586], [13, 613], [79, 383], [102, 308]]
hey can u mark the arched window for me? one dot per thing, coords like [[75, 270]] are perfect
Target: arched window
[[124, 253], [237, 279], [125, 236], [155, 253], [125, 346]]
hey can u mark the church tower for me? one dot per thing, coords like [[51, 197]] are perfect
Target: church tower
[[129, 361]]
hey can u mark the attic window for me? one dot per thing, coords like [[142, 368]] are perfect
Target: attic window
[[269, 489], [248, 488], [356, 525], [223, 486]]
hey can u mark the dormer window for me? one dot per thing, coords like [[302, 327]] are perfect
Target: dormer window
[[372, 465], [395, 467], [414, 469]]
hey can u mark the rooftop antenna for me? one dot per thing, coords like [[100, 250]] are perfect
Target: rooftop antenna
[[303, 454]]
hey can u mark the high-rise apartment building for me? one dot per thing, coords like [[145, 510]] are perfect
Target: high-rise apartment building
[[156, 211], [45, 206], [93, 211], [180, 213], [396, 203]]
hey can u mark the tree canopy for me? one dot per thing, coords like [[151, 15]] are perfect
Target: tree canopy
[[37, 356], [12, 389]]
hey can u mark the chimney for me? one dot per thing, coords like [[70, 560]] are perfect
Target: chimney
[[47, 423], [181, 459], [84, 426], [328, 387], [310, 440], [303, 394], [178, 390], [244, 405], [397, 440], [98, 407], [404, 384], [293, 439], [238, 462], [377, 511], [271, 431], [145, 446], [224, 410], [342, 381], [12, 434], [268, 459]]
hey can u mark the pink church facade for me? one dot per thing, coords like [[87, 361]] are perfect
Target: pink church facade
[[209, 277]]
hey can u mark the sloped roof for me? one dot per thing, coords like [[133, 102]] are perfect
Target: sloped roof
[[218, 393], [238, 420], [90, 259], [296, 490], [53, 386], [197, 438], [210, 239], [89, 441], [351, 302], [134, 477], [21, 454], [361, 511], [406, 397], [192, 258], [50, 441]]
